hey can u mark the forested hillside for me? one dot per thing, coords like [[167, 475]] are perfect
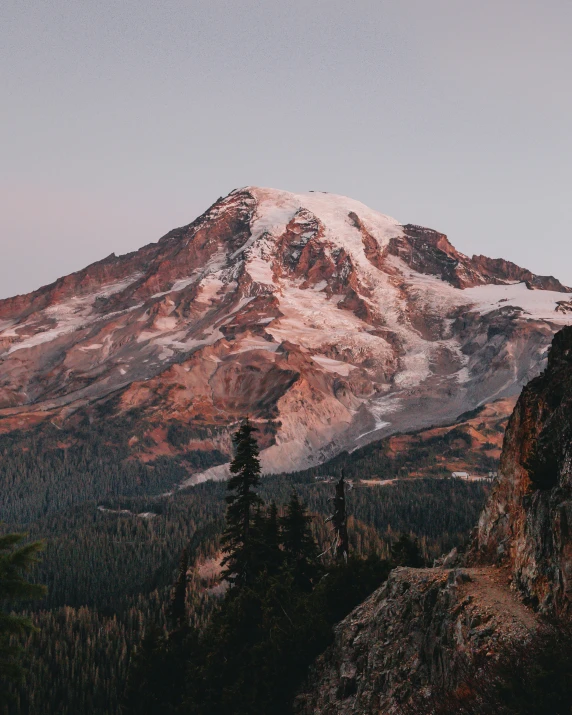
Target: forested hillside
[[109, 572], [114, 528], [49, 469]]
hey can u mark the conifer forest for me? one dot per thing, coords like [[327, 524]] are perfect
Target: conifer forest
[[143, 592]]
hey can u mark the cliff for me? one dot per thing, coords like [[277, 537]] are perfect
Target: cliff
[[527, 522], [420, 630]]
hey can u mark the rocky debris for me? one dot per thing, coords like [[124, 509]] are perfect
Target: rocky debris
[[414, 634], [527, 520], [564, 306], [451, 560], [330, 324]]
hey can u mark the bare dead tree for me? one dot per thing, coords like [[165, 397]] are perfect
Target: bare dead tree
[[339, 521]]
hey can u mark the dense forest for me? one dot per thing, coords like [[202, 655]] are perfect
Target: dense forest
[[113, 538], [49, 469]]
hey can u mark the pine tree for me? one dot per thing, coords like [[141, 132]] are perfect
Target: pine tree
[[163, 674], [265, 541], [14, 563], [240, 538], [272, 540], [178, 609], [300, 548], [148, 681]]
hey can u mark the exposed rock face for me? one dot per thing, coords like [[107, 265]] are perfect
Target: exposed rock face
[[527, 522], [412, 634], [328, 323], [498, 270], [430, 252]]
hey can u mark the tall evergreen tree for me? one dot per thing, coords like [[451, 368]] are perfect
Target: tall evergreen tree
[[240, 538], [266, 539], [300, 548], [15, 561], [178, 608], [272, 540], [272, 527], [162, 678]]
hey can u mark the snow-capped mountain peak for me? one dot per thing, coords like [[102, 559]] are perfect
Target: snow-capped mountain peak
[[327, 322]]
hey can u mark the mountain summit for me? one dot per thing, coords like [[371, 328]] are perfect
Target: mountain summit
[[328, 323]]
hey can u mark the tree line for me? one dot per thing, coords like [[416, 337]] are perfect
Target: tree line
[[276, 616], [109, 573]]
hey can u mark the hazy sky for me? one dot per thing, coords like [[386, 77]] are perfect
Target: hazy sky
[[122, 119]]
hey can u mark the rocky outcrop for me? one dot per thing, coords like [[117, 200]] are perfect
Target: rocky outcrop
[[414, 634], [527, 523], [498, 270], [330, 324], [430, 252]]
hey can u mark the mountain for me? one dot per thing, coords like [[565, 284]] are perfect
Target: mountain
[[433, 632], [329, 324]]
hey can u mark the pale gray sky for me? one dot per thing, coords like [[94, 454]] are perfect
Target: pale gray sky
[[122, 119]]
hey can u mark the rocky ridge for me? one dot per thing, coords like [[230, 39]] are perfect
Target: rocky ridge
[[329, 324]]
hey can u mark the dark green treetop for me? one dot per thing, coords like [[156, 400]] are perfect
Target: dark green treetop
[[178, 606], [407, 552], [240, 536]]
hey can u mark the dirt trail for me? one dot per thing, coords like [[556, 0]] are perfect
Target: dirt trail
[[491, 595]]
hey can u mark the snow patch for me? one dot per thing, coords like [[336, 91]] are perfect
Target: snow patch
[[379, 408], [93, 346], [336, 366], [247, 344], [260, 270], [275, 209], [537, 304], [69, 315]]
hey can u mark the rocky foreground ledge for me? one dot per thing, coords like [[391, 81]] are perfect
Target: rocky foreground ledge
[[414, 634]]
